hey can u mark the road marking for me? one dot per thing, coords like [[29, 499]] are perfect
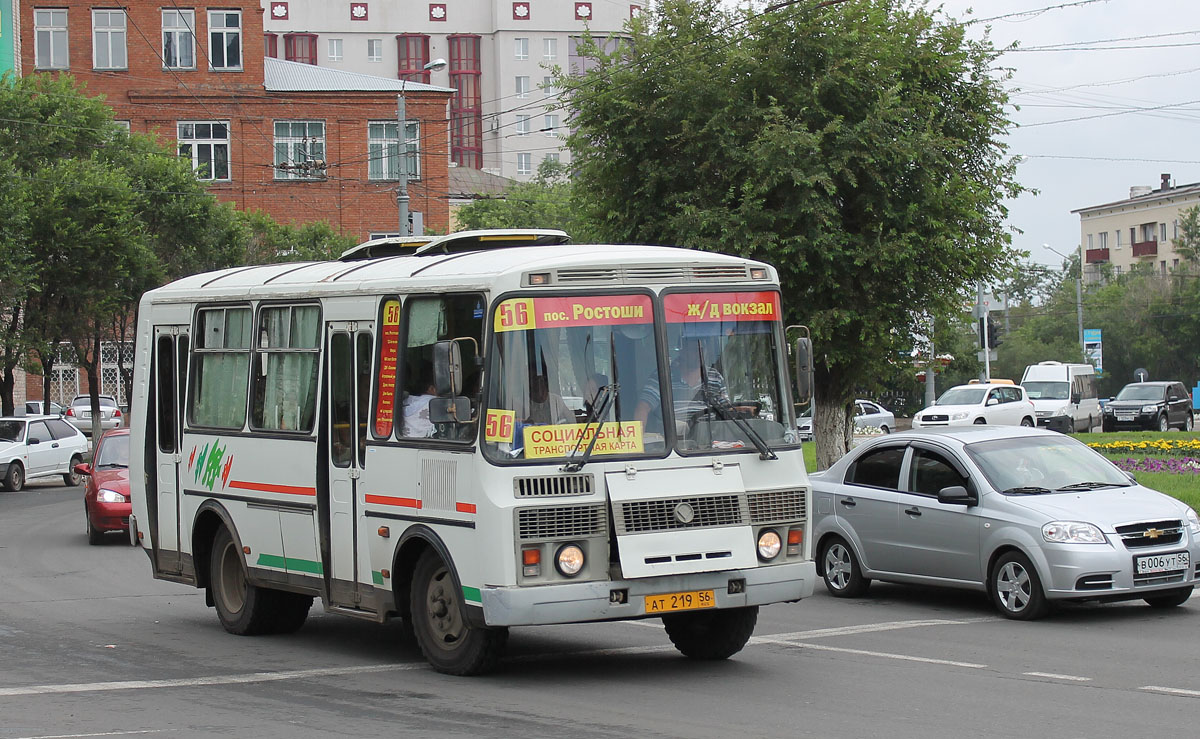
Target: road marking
[[872, 628], [1172, 691], [1055, 676], [102, 733], [188, 682], [866, 653]]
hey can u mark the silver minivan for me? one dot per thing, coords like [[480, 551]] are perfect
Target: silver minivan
[[1029, 516]]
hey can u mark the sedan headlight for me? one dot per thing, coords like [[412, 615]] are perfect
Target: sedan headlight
[[1072, 532], [1193, 521], [110, 496], [959, 416], [1149, 408]]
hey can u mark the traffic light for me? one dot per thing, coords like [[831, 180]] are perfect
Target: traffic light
[[994, 334]]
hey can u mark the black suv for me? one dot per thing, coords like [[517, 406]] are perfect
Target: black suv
[[1149, 405]]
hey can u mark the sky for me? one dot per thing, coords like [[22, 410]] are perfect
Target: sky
[[1073, 164]]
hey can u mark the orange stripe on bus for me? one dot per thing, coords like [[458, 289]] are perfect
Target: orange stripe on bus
[[265, 487], [388, 500], [464, 507]]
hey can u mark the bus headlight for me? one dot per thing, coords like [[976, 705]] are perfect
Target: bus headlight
[[769, 545], [569, 560]]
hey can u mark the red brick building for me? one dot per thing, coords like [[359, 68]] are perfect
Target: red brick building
[[300, 142]]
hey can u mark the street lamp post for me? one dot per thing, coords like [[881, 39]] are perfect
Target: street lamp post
[[1078, 293], [402, 119]]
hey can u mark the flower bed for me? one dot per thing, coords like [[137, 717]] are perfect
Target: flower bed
[[1173, 465], [1156, 447]]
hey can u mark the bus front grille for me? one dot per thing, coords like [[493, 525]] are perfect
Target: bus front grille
[[641, 516], [777, 505], [561, 522]]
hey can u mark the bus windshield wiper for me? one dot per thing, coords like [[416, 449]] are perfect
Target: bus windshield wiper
[[723, 408], [600, 403], [1026, 490]]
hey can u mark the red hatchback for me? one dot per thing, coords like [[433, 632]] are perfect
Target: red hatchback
[[106, 496]]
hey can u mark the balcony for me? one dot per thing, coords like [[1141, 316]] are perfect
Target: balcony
[[1145, 249], [1096, 256]]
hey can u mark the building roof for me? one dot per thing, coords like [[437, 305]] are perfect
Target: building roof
[[468, 182], [1150, 197], [284, 76]]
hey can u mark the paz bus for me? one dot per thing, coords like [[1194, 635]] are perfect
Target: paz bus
[[472, 432]]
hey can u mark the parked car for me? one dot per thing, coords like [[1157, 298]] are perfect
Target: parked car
[[979, 403], [1149, 405], [106, 502], [80, 413], [33, 447], [867, 414], [1029, 516], [34, 408]]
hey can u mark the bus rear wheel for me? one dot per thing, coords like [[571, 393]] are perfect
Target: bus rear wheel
[[439, 621], [711, 634]]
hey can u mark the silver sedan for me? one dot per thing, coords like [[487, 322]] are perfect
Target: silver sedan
[[1029, 516]]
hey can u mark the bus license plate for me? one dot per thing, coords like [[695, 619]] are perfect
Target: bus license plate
[[688, 601], [1154, 563]]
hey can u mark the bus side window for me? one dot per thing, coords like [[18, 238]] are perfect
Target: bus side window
[[221, 368], [428, 320], [285, 368]]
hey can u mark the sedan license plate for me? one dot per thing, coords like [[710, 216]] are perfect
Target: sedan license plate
[[687, 601], [1153, 564]]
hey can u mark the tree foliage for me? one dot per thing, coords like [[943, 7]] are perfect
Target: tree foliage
[[856, 147], [547, 201]]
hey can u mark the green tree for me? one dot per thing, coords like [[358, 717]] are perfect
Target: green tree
[[1187, 244], [16, 268], [546, 201], [857, 147]]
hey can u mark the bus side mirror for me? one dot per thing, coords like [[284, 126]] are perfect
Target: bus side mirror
[[804, 370], [447, 368], [456, 409]]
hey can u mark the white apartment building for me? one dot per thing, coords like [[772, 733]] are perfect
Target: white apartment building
[[1140, 229], [499, 54]]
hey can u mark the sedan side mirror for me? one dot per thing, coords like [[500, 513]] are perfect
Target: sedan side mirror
[[993, 401], [1075, 398], [83, 469], [956, 495], [34, 440]]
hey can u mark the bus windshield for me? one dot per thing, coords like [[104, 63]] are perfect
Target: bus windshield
[[554, 360], [726, 387]]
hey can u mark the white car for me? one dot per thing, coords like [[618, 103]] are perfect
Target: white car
[[79, 414], [867, 414], [39, 446], [979, 403]]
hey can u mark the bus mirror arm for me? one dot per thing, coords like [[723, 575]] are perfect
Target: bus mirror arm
[[803, 355]]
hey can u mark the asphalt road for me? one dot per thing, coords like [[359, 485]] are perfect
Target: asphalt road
[[91, 645]]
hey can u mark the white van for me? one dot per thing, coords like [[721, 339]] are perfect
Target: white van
[[1064, 395]]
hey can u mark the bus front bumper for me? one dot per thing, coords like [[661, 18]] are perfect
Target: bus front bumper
[[625, 599]]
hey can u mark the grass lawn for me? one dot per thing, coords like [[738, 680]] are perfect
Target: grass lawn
[[1185, 487]]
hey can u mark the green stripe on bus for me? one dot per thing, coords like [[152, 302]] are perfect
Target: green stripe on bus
[[471, 595], [377, 577], [290, 564]]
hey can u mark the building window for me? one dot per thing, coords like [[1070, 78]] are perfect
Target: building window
[[1162, 232], [549, 87], [466, 115], [125, 126], [1117, 270], [551, 124], [553, 157], [300, 47], [383, 147], [1118, 233], [335, 49], [524, 164], [108, 40], [1089, 241], [522, 86], [50, 34], [271, 45], [1104, 239], [1174, 264], [1162, 266], [374, 50], [207, 145], [1175, 229], [1132, 235], [299, 150], [549, 49], [412, 56], [522, 125], [521, 50], [225, 39], [179, 42]]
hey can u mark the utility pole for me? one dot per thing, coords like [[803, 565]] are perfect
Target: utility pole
[[402, 174]]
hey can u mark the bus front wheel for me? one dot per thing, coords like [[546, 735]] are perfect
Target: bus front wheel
[[242, 608], [449, 643], [711, 634]]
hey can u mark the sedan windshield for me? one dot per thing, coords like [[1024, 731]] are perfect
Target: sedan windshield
[[114, 452], [557, 363], [962, 396], [1048, 390], [1141, 392], [12, 430], [1039, 464]]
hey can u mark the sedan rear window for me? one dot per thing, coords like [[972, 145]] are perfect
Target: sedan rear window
[[11, 430], [878, 469]]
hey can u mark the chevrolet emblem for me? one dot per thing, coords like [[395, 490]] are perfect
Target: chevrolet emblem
[[1152, 533]]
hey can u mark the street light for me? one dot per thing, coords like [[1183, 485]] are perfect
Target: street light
[[1078, 293], [401, 117]]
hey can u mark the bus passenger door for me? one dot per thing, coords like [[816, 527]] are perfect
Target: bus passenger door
[[170, 380], [348, 393]]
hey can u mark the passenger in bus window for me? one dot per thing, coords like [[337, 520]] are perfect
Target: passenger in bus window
[[688, 386], [546, 407], [416, 405]]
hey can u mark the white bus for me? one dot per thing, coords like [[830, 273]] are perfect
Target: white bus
[[471, 432]]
